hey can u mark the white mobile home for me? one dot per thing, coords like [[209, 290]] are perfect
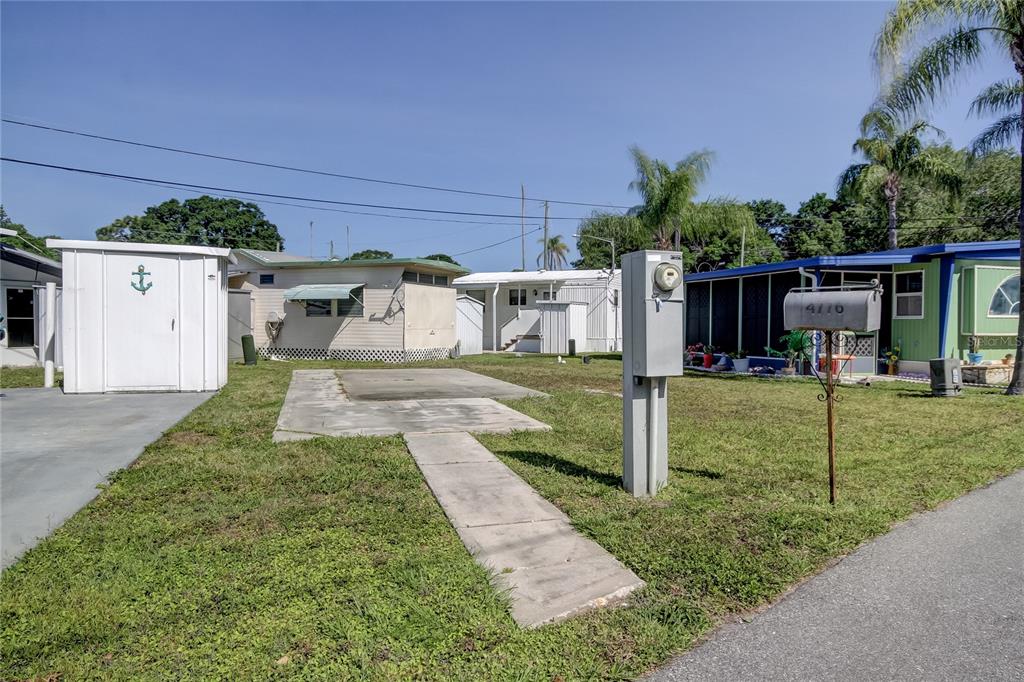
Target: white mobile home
[[390, 310], [514, 301], [143, 317]]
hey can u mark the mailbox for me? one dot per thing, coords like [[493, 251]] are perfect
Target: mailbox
[[834, 309], [653, 318]]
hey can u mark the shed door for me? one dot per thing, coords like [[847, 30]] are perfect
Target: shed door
[[142, 329]]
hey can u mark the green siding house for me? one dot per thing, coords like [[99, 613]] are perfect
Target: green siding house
[[936, 299]]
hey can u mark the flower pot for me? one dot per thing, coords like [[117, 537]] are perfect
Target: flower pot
[[741, 365], [709, 359], [974, 358], [893, 367], [789, 371]]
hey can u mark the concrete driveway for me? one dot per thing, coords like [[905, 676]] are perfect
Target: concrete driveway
[[57, 448]]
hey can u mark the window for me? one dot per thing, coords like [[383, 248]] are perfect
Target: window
[[441, 280], [318, 308], [350, 307], [1006, 300], [909, 295], [410, 276], [267, 279], [517, 297], [424, 278], [550, 295]]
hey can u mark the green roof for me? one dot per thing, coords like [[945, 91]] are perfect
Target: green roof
[[312, 292], [301, 262]]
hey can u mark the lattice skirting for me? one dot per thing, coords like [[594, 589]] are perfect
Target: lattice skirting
[[395, 355]]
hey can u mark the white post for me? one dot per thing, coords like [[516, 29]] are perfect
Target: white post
[[49, 333], [494, 317]]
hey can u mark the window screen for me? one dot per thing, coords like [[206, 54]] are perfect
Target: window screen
[[909, 294], [318, 308], [517, 296], [409, 276], [350, 307], [266, 279]]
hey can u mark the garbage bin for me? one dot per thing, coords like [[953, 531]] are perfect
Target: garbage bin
[[945, 377], [248, 349]]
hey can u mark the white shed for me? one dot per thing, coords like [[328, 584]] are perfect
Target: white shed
[[143, 317], [561, 321], [469, 325]]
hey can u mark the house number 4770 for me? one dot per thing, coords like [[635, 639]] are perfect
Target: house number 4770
[[826, 309]]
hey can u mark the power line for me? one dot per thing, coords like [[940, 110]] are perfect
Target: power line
[[503, 241], [295, 169], [121, 176], [332, 210]]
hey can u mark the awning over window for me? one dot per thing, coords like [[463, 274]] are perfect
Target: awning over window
[[307, 292]]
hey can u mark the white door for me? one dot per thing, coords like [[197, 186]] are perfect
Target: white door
[[142, 328]]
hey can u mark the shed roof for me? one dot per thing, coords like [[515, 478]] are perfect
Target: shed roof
[[28, 259], [1009, 249], [138, 247], [538, 276]]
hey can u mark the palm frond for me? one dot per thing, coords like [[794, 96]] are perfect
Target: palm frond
[[909, 18], [1000, 134], [927, 76], [934, 169], [850, 179], [998, 98]]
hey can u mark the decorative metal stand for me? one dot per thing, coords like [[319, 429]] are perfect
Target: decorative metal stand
[[829, 339]]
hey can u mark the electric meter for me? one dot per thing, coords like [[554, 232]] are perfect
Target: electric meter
[[668, 276]]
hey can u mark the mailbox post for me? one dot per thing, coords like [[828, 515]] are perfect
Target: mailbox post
[[652, 350], [829, 311]]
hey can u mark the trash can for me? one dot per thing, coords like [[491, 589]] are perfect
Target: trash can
[[945, 377], [248, 349]]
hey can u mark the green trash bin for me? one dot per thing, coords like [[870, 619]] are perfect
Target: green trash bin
[[248, 349]]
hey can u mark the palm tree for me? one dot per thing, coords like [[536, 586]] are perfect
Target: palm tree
[[668, 209], [556, 253], [934, 67], [892, 155]]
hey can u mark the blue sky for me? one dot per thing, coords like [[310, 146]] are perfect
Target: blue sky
[[475, 96]]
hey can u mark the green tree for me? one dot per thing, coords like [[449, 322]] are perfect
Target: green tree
[[555, 255], [370, 254], [968, 27], [816, 229], [627, 231], [203, 221], [442, 257], [26, 241], [893, 154], [771, 216]]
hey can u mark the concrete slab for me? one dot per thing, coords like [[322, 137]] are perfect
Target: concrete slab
[[427, 384], [57, 448], [550, 571], [317, 404]]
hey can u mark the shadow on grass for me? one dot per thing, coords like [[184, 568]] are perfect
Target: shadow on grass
[[562, 466], [703, 473]]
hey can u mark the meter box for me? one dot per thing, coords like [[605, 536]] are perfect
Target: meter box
[[834, 309], [653, 313]]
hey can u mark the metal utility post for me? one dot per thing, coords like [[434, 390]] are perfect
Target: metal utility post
[[545, 235], [830, 403], [332, 250], [348, 242], [652, 351], [522, 223], [310, 238], [743, 246]]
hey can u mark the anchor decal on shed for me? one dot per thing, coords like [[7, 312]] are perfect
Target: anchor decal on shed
[[141, 285]]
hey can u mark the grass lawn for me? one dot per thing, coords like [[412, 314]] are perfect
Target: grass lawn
[[221, 554]]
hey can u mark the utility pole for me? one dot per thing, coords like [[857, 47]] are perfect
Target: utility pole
[[310, 238], [545, 234], [743, 246], [522, 222], [348, 242], [332, 250]]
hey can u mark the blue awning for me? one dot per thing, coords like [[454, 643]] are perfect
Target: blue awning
[[308, 292]]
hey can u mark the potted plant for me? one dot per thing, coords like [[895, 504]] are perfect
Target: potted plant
[[794, 349], [693, 352], [709, 356], [973, 346], [892, 359], [740, 362]]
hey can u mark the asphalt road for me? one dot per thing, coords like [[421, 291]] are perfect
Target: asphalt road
[[941, 597]]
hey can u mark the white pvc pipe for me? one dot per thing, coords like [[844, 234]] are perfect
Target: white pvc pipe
[[494, 317], [49, 333]]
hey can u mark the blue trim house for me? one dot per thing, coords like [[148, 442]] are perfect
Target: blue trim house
[[938, 301]]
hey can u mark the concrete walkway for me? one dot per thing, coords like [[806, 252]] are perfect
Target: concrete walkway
[[57, 448], [551, 571], [941, 597], [362, 404]]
